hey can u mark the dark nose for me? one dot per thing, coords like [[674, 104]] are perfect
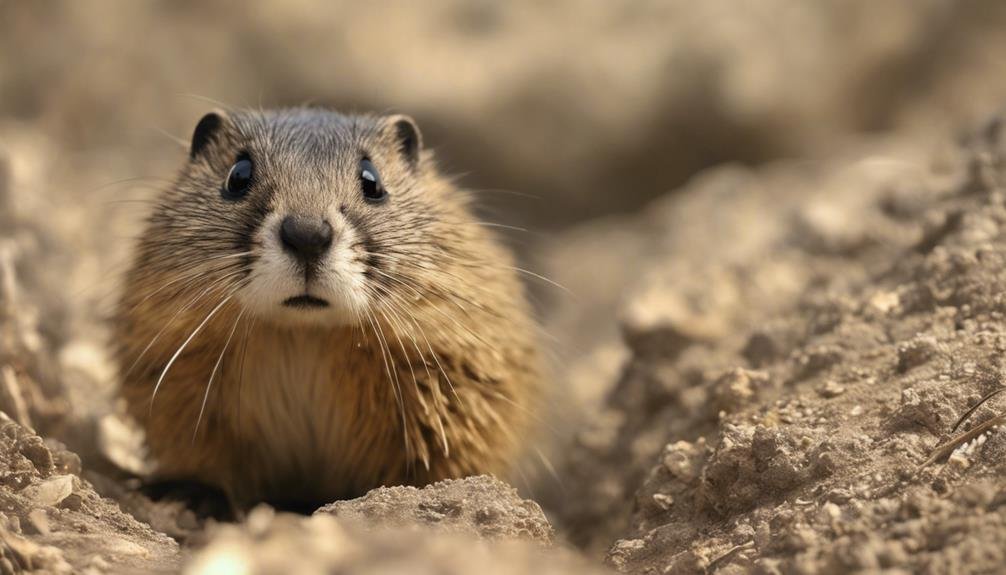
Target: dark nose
[[306, 238]]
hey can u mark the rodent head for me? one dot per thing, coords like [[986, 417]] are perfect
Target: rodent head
[[314, 214]]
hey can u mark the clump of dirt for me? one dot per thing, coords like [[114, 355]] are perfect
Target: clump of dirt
[[785, 421], [276, 544], [482, 506]]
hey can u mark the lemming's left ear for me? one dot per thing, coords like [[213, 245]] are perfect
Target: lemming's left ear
[[406, 132]]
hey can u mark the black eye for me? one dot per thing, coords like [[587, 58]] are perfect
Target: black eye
[[370, 181], [238, 179]]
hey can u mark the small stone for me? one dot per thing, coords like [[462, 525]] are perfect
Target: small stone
[[662, 500], [831, 389], [885, 302], [50, 491]]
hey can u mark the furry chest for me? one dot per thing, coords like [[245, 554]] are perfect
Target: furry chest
[[306, 417]]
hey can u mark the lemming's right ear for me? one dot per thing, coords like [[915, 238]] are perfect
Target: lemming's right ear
[[206, 132]]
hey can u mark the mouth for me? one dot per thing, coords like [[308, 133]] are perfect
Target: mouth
[[305, 301]]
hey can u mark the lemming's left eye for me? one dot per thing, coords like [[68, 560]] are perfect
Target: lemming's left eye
[[370, 183], [239, 179]]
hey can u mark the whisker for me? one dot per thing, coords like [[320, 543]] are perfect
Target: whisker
[[393, 380], [213, 374], [185, 344], [170, 321], [436, 359], [191, 274], [391, 309]]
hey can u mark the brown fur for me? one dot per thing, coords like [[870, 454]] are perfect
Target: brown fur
[[439, 381]]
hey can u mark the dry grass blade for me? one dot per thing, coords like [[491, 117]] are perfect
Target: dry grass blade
[[944, 450], [728, 555], [975, 407]]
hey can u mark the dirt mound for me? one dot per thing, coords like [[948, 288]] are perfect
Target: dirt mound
[[268, 544], [481, 506], [790, 413]]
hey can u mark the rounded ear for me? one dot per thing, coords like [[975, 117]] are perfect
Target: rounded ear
[[410, 140], [206, 131]]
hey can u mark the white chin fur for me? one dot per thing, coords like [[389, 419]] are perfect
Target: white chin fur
[[276, 277]]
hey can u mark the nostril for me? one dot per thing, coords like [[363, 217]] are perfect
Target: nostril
[[307, 238], [326, 233], [325, 236]]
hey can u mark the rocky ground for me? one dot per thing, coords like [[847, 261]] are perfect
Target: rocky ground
[[800, 349]]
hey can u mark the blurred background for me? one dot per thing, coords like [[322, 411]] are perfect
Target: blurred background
[[584, 108]]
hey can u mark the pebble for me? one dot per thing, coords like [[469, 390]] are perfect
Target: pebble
[[51, 491], [831, 389]]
